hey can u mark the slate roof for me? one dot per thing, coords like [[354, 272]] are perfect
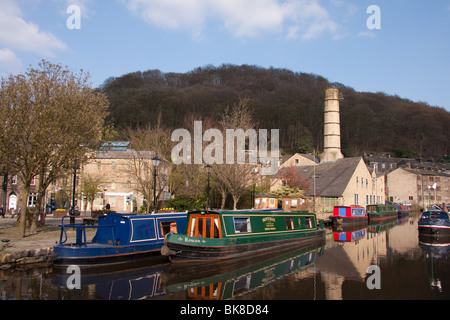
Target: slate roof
[[332, 177], [127, 154]]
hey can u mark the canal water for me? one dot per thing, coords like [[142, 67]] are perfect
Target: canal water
[[386, 261]]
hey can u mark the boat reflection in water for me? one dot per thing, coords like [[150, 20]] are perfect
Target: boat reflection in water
[[434, 248], [349, 234], [137, 282], [233, 279]]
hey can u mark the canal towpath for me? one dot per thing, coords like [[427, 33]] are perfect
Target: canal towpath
[[16, 250]]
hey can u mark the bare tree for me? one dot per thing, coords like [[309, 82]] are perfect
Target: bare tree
[[49, 119], [235, 177], [146, 144]]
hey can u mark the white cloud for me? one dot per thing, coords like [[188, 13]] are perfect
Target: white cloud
[[18, 34], [243, 18], [8, 59], [9, 62]]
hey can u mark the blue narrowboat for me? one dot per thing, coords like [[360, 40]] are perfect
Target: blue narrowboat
[[434, 222], [119, 238]]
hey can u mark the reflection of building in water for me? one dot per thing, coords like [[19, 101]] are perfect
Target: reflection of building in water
[[404, 240], [349, 261]]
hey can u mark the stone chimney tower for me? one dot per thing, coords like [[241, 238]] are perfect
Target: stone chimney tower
[[332, 128]]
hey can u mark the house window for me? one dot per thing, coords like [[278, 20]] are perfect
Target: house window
[[32, 199], [14, 180]]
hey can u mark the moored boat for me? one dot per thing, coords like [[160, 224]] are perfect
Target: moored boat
[[403, 209], [350, 236], [120, 238], [378, 212], [221, 235], [434, 222], [349, 215]]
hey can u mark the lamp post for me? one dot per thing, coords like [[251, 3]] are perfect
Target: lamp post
[[254, 173], [72, 210], [208, 168], [155, 161]]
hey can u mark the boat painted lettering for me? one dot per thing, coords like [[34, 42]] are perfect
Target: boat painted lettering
[[270, 223], [191, 240], [191, 310]]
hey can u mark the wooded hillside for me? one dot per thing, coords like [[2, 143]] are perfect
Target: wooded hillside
[[292, 102]]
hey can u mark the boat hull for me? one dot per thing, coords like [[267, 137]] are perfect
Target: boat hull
[[436, 228], [94, 255], [180, 250], [349, 220], [382, 216]]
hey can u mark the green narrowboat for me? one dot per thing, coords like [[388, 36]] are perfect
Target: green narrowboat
[[377, 212], [220, 235]]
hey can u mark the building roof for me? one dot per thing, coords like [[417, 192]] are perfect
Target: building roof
[[332, 177], [126, 154], [426, 172], [115, 146]]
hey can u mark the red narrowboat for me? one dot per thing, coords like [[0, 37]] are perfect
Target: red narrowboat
[[349, 215]]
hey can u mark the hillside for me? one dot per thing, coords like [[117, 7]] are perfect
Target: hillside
[[292, 102]]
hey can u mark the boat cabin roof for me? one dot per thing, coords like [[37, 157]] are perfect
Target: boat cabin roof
[[251, 212], [435, 214]]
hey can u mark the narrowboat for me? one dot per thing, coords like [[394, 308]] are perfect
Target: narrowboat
[[377, 212], [434, 222], [349, 215], [220, 235], [402, 209], [350, 236], [119, 238]]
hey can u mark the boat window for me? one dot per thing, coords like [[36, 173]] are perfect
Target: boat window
[[216, 228], [289, 223], [308, 222], [168, 227], [207, 233], [199, 228], [242, 225], [192, 233]]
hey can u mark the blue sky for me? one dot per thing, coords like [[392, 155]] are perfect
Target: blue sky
[[408, 56]]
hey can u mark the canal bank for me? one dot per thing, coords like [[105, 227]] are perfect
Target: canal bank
[[16, 250]]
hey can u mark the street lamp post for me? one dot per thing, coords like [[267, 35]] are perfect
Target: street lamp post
[[72, 210], [254, 173], [208, 168], [155, 161]]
